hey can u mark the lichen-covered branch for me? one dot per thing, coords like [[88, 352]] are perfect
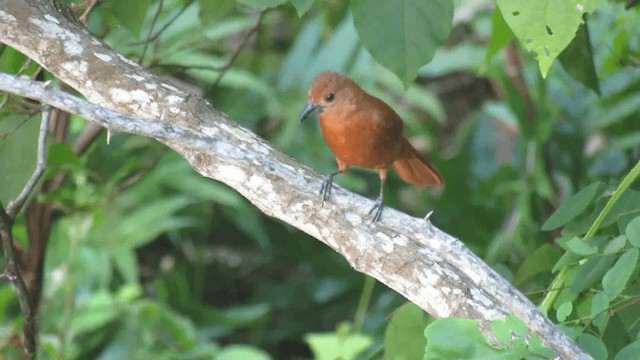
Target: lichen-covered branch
[[427, 266]]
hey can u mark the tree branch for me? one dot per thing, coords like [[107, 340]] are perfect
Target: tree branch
[[426, 265], [12, 273], [16, 205]]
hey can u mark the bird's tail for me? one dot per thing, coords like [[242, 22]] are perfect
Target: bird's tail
[[414, 168]]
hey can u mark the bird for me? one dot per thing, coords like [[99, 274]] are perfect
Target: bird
[[362, 130]]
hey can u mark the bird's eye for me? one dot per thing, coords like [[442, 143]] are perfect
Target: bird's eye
[[329, 97]]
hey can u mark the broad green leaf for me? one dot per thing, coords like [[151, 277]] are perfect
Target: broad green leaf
[[339, 345], [591, 272], [454, 338], [572, 207], [616, 244], [599, 306], [629, 352], [593, 346], [581, 247], [262, 5], [564, 310], [505, 329], [617, 277], [302, 6], [545, 27], [210, 10], [501, 34], [404, 337], [131, 14], [542, 260], [577, 60], [402, 35], [633, 232]]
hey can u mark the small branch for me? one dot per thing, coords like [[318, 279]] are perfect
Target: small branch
[[15, 128], [163, 28], [16, 205], [12, 273], [234, 56], [153, 23], [89, 4]]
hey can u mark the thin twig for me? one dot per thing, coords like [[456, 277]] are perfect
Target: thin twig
[[236, 52], [12, 273], [187, 67], [89, 5], [153, 24], [163, 28], [15, 128], [15, 205]]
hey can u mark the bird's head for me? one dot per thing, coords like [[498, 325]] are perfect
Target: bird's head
[[328, 90]]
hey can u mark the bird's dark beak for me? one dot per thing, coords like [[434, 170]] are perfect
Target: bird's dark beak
[[310, 110]]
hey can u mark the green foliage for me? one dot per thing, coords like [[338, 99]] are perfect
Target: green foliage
[[147, 259], [342, 344], [413, 31], [403, 339], [455, 338], [545, 28]]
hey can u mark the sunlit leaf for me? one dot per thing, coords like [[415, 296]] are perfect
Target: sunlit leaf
[[545, 27]]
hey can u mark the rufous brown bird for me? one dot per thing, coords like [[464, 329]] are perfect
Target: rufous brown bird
[[362, 130]]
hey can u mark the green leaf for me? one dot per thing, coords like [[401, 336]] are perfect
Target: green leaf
[[564, 310], [541, 261], [599, 306], [616, 244], [629, 352], [404, 337], [501, 34], [591, 272], [98, 311], [571, 207], [131, 14], [633, 232], [242, 352], [617, 277], [302, 6], [545, 27], [262, 5], [339, 345], [454, 338], [593, 346], [211, 10], [504, 329], [577, 60], [579, 246], [402, 35]]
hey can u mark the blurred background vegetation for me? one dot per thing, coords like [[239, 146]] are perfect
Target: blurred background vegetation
[[146, 259]]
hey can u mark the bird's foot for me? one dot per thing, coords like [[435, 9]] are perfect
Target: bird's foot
[[376, 210], [325, 189]]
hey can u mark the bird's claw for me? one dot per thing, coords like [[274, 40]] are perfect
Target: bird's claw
[[325, 189], [376, 210]]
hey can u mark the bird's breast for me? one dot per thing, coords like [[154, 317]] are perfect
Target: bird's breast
[[361, 139]]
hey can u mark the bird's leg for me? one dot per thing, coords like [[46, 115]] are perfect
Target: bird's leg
[[376, 210], [325, 189]]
